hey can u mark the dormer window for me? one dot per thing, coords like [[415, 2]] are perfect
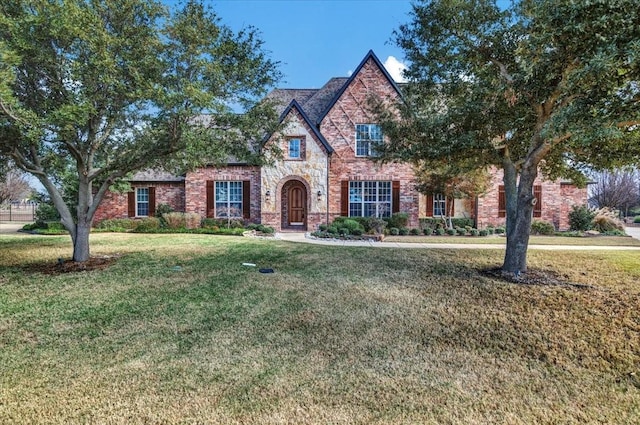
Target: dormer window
[[367, 136]]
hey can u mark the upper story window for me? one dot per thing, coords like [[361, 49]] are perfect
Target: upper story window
[[295, 149], [367, 135], [228, 197], [142, 202]]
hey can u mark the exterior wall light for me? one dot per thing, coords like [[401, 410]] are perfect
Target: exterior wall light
[[319, 195], [267, 195]]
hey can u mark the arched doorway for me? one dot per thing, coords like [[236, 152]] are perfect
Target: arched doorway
[[294, 205]]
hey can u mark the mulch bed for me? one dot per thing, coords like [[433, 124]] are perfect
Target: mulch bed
[[532, 277], [70, 266]]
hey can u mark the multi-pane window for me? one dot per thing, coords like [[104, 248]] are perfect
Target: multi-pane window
[[142, 202], [369, 199], [228, 197], [367, 136], [294, 148], [439, 205]]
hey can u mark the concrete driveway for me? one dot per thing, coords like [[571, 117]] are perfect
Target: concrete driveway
[[10, 227], [633, 231]]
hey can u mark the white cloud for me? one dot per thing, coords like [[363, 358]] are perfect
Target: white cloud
[[395, 68], [349, 73]]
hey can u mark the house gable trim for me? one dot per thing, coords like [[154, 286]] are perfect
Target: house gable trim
[[294, 104], [340, 92]]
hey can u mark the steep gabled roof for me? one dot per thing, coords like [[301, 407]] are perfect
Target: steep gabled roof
[[339, 93], [310, 124]]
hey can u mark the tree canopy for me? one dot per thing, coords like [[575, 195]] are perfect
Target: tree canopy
[[549, 86], [107, 88]]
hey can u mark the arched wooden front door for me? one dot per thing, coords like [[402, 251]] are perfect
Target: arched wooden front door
[[294, 208], [297, 213]]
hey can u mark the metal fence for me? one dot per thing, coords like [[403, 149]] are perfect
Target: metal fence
[[12, 212]]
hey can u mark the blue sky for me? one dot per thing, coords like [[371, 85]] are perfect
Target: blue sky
[[315, 40]]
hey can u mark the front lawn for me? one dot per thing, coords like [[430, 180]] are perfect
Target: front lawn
[[533, 240], [178, 330]]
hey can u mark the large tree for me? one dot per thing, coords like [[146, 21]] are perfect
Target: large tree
[[544, 86], [107, 88]]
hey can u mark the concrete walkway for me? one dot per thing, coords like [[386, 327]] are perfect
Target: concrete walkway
[[304, 238]]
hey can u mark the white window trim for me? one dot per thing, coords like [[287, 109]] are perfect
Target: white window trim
[[228, 202], [442, 200], [377, 203], [142, 203], [370, 141]]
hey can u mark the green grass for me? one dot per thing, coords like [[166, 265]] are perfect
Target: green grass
[[533, 240], [336, 335]]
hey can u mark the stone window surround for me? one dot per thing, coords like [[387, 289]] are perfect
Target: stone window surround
[[302, 148]]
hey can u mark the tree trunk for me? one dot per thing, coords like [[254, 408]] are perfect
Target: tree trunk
[[81, 251], [520, 202], [81, 242]]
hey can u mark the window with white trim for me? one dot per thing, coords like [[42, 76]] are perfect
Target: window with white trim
[[367, 136], [228, 197], [294, 149], [142, 202], [439, 205], [370, 199]]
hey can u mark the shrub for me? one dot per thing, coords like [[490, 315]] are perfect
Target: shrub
[[357, 232], [427, 231], [394, 231], [580, 218], [451, 232], [404, 231], [343, 231], [606, 220], [462, 222], [47, 212], [461, 231], [192, 220], [174, 220], [163, 209], [483, 232], [374, 225], [266, 229], [147, 225], [332, 230], [323, 227], [414, 232], [474, 232], [636, 219], [348, 223], [398, 220], [500, 230], [541, 227], [491, 230], [440, 231]]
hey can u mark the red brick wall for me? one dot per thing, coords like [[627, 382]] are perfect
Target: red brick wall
[[196, 187], [557, 200], [338, 127], [114, 205]]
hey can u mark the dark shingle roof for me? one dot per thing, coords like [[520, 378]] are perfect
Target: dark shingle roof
[[155, 176]]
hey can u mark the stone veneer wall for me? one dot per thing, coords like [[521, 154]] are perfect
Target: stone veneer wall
[[338, 126], [115, 205], [196, 187], [557, 200], [311, 170]]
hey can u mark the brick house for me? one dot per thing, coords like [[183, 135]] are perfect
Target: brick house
[[326, 171]]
